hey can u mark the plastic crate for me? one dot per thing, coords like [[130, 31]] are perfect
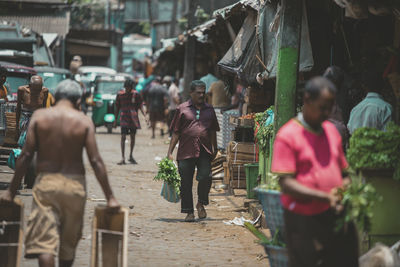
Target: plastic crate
[[271, 203], [277, 256]]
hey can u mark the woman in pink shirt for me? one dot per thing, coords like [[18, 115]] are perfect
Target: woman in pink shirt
[[309, 158]]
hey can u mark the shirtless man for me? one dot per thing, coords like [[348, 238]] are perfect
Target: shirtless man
[[58, 135], [30, 98]]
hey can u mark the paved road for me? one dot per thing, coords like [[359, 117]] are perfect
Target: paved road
[[158, 235]]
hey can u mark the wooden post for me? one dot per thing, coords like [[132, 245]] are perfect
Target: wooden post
[[190, 50], [288, 62]]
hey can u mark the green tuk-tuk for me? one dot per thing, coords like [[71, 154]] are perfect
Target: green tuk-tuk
[[106, 88]]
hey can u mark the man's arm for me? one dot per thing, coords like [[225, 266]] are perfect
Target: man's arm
[[23, 162], [172, 145], [20, 97], [214, 143], [98, 166], [292, 187], [45, 96], [117, 108]]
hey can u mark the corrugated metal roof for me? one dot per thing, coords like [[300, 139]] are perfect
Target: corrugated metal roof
[[43, 24], [200, 31], [40, 1], [225, 12]]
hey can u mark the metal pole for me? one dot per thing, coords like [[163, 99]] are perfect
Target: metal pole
[[173, 19], [288, 62]]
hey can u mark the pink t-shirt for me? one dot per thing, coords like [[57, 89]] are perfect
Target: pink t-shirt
[[315, 159]]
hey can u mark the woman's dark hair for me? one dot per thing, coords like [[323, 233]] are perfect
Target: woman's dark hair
[[129, 83], [316, 85], [197, 83]]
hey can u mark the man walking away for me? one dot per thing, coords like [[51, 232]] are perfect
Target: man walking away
[[373, 111], [309, 159], [59, 135], [129, 102], [174, 101], [157, 99], [194, 126]]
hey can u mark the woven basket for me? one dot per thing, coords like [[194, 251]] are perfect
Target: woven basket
[[271, 203], [277, 256]]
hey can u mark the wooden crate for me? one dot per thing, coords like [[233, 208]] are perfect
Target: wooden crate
[[239, 152], [110, 236], [237, 184], [11, 233]]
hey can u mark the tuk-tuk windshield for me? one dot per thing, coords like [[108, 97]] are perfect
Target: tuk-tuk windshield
[[51, 80], [109, 87], [13, 82]]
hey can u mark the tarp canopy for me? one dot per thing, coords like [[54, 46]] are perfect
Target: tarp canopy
[[241, 57]]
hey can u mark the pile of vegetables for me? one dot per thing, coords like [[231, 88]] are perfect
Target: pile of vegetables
[[264, 129], [374, 149], [358, 199], [168, 172]]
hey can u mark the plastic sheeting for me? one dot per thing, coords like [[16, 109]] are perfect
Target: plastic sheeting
[[240, 58]]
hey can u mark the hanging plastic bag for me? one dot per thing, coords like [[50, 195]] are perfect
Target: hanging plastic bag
[[168, 193]]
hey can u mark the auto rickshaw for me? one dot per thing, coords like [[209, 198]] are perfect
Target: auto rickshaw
[[106, 88]]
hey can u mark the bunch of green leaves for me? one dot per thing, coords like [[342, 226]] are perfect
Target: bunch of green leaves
[[263, 239], [272, 182], [374, 149], [264, 133], [168, 172], [358, 199]]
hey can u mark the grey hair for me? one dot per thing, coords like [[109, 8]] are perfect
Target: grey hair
[[68, 89]]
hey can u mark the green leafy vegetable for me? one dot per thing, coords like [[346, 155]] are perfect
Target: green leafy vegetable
[[168, 172], [272, 182], [263, 238], [358, 199], [374, 149], [263, 132]]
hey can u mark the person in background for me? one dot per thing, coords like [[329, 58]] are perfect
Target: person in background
[[373, 111], [194, 126], [336, 76], [219, 95], [129, 103], [237, 99], [157, 100], [55, 224], [310, 162], [174, 100], [3, 88], [29, 98]]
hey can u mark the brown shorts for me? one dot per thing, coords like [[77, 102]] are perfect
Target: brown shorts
[[157, 116], [56, 219]]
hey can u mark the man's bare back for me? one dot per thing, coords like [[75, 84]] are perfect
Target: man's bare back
[[65, 131]]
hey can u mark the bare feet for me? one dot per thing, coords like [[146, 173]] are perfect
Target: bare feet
[[132, 160], [122, 162]]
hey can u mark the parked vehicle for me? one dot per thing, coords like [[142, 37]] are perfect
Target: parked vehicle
[[52, 76], [87, 74], [105, 93], [17, 76]]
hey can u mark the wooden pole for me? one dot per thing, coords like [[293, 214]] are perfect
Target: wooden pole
[[173, 19], [288, 62], [190, 50]]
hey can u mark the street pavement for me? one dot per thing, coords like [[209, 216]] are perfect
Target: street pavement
[[158, 236]]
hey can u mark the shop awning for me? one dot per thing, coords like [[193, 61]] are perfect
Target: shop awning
[[225, 12], [43, 24]]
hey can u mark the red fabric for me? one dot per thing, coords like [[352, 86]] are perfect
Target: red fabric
[[194, 134], [316, 160], [129, 104]]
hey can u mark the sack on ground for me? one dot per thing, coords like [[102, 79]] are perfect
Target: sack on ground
[[168, 193]]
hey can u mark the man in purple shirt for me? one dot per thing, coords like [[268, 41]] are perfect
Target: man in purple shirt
[[194, 126]]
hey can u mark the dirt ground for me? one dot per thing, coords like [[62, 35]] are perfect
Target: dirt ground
[[158, 236]]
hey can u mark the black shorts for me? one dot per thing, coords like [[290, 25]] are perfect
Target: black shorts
[[128, 130]]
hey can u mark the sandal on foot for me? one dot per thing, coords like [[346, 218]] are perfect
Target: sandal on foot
[[189, 217], [122, 162], [132, 160], [201, 211]]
